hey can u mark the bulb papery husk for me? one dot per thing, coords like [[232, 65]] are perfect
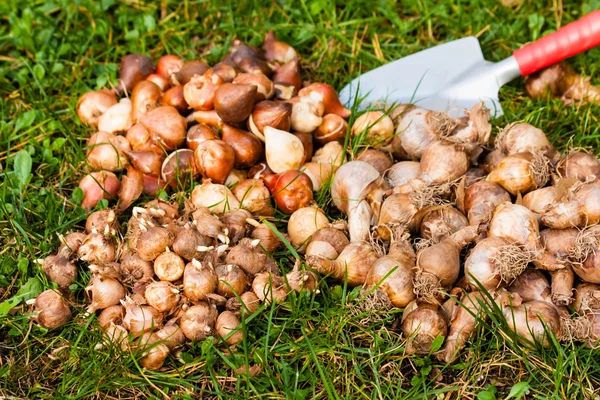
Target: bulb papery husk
[[198, 134], [92, 105], [173, 97], [284, 151], [232, 280], [166, 127], [198, 321], [111, 315], [421, 326], [333, 128], [214, 160], [106, 151], [117, 118], [235, 223], [186, 243], [326, 94], [268, 240], [269, 287], [60, 270], [199, 91], [531, 319], [402, 172], [531, 285], [587, 298], [132, 187], [303, 223], [71, 242], [140, 318], [169, 266], [397, 209], [147, 162], [104, 292], [133, 69], [443, 162], [247, 148], [277, 115], [247, 256], [217, 198], [579, 165], [377, 158], [97, 186], [440, 222], [199, 280], [354, 263], [264, 85], [394, 275], [480, 200], [520, 137], [418, 128], [135, 270], [229, 327], [154, 351], [515, 223], [153, 242], [52, 311], [171, 335], [188, 70], [98, 248], [206, 223], [163, 296], [521, 172], [580, 208], [289, 74], [301, 280]]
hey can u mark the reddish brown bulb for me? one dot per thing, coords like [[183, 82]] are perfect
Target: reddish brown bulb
[[291, 190]]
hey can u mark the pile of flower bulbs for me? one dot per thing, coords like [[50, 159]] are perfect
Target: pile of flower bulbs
[[435, 211]]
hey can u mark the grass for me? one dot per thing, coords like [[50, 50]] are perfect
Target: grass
[[310, 346]]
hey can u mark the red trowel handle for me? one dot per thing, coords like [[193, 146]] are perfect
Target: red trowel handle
[[569, 40]]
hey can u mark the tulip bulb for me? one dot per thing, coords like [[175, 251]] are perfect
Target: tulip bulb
[[253, 196], [327, 95], [97, 186], [52, 311], [248, 149], [270, 113], [166, 127], [200, 91], [145, 97], [291, 190], [234, 102], [284, 151], [218, 198], [303, 223], [107, 152], [377, 128], [92, 105], [305, 116], [118, 118], [133, 69]]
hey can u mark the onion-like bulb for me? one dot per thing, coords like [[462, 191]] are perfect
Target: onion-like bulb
[[169, 266], [354, 263], [207, 224], [185, 246], [304, 222], [116, 335], [135, 270], [284, 151], [247, 303], [462, 324], [111, 315], [539, 199], [104, 292], [155, 352], [495, 260], [352, 183], [441, 222], [291, 190], [579, 165], [98, 248], [560, 242], [117, 118], [377, 128], [327, 242], [162, 295], [394, 274], [531, 285], [443, 162], [236, 224], [218, 198], [106, 151], [199, 280], [521, 172], [522, 137], [51, 309], [480, 200], [421, 326], [70, 244], [97, 186], [166, 126], [92, 105], [253, 196], [562, 286], [402, 172], [587, 298], [531, 320], [247, 256], [581, 209], [397, 209], [60, 270], [198, 321], [418, 128], [301, 280], [171, 335], [322, 92], [268, 240], [269, 287], [153, 241], [232, 280], [140, 318], [229, 327]]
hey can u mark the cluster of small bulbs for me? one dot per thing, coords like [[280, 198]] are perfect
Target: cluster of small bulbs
[[435, 212]]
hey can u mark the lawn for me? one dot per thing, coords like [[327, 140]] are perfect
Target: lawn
[[312, 345]]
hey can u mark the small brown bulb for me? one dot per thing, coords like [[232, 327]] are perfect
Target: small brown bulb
[[51, 309], [171, 335], [268, 240], [163, 83], [300, 281], [135, 270], [275, 114], [169, 266], [134, 68], [264, 85], [333, 128], [70, 244], [247, 148], [232, 280], [254, 196], [254, 65], [179, 168], [198, 134], [174, 98], [188, 70], [155, 352], [198, 321], [97, 186], [247, 303], [98, 248], [147, 162], [104, 292], [199, 92], [145, 97], [162, 295], [166, 127], [60, 270], [187, 241], [111, 315], [289, 73], [169, 65], [140, 319], [226, 71], [247, 256], [229, 327], [236, 225], [199, 280], [269, 287], [327, 242], [153, 242], [234, 102], [214, 160], [102, 221], [92, 105], [378, 159]]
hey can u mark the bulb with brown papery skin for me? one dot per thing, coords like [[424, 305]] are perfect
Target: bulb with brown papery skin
[[228, 327], [378, 159], [247, 256], [102, 221], [104, 292], [118, 118], [421, 326], [140, 319], [198, 321], [198, 134], [153, 242], [188, 70], [289, 73], [377, 127], [234, 102], [169, 65], [515, 223], [587, 298], [268, 240], [333, 128], [146, 96], [579, 165], [132, 187], [531, 319], [166, 127], [418, 128], [92, 105], [326, 94], [522, 137], [214, 160], [562, 286], [236, 226], [521, 172], [162, 295], [111, 315], [303, 223], [255, 65], [97, 186], [139, 139], [133, 69], [171, 335], [394, 275], [154, 352], [147, 162], [134, 270], [327, 242], [532, 285], [106, 151], [291, 190], [169, 267], [98, 248], [226, 71], [179, 168], [207, 223], [402, 172], [301, 280], [461, 326], [307, 144], [276, 50], [354, 263], [174, 97], [331, 153], [581, 208], [269, 287], [186, 243], [163, 83], [441, 222], [537, 200], [199, 280], [270, 113], [397, 209], [248, 149], [70, 244], [443, 162], [560, 242], [217, 198], [232, 280], [480, 200], [248, 303], [52, 311], [264, 85], [254, 196]]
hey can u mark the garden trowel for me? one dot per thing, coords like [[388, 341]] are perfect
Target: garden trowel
[[454, 76]]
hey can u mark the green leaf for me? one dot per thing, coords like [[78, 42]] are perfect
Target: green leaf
[[77, 196], [25, 120], [518, 390], [29, 290], [22, 167], [535, 22], [437, 344], [39, 71], [486, 395]]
